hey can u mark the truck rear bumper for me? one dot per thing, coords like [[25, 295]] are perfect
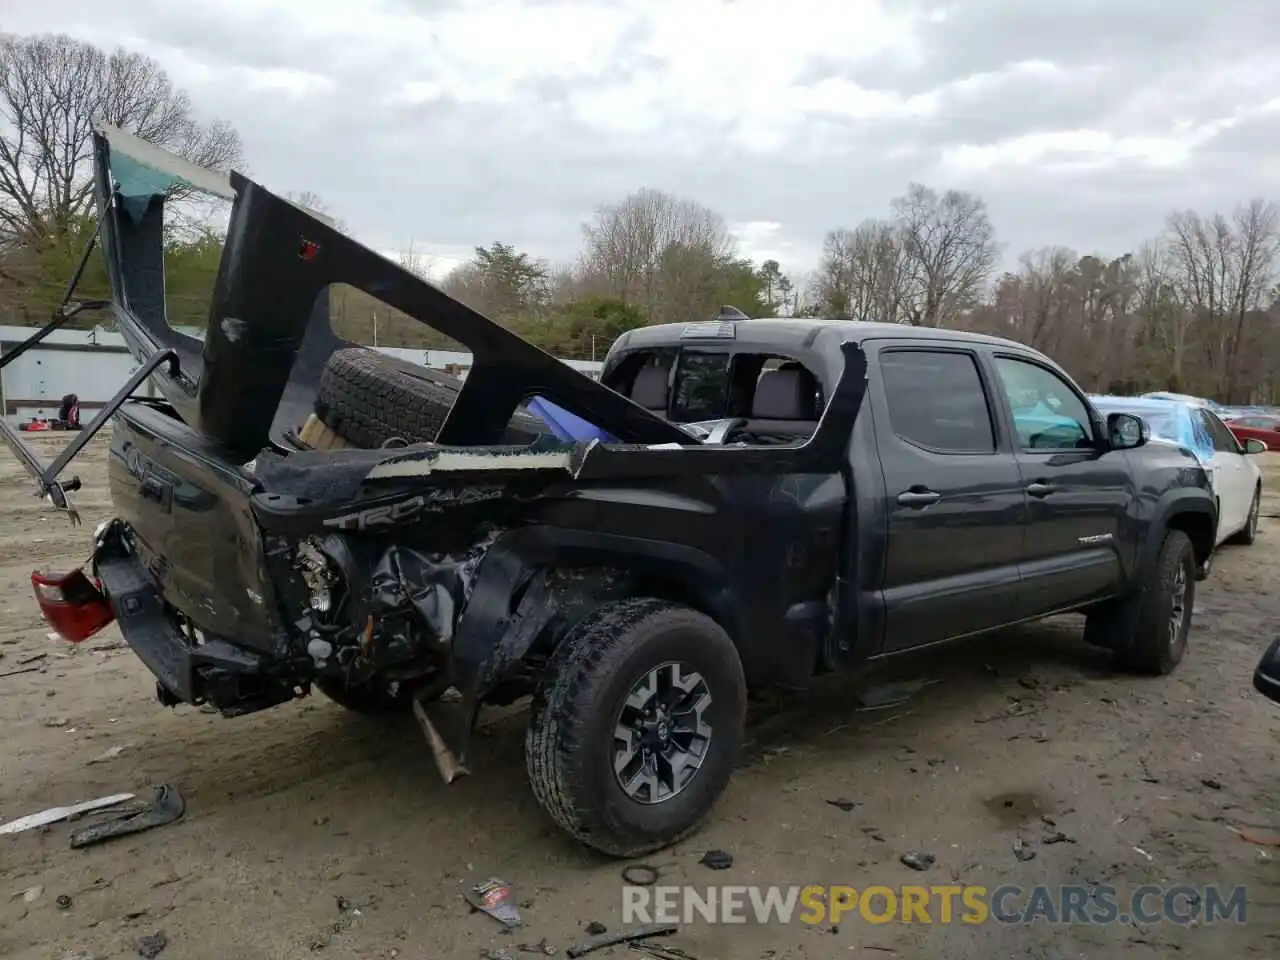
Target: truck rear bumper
[[189, 667]]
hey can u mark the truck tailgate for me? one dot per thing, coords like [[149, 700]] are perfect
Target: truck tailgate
[[187, 502]]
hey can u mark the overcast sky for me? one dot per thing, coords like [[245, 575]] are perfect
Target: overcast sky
[[451, 123]]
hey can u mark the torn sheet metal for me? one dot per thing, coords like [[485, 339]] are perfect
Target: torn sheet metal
[[55, 814], [167, 807], [494, 897]]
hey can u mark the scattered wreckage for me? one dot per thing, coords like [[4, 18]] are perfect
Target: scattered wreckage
[[298, 512]]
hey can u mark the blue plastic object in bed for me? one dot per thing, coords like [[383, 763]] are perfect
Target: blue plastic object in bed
[[565, 425]]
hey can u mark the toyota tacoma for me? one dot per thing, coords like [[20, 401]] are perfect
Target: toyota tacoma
[[755, 502]]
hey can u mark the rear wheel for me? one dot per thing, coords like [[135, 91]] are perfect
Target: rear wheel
[[1148, 631], [637, 726]]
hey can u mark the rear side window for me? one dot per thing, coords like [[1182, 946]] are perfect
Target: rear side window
[[1224, 440], [936, 401]]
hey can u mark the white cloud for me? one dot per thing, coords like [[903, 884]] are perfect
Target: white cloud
[[459, 122], [1071, 149]]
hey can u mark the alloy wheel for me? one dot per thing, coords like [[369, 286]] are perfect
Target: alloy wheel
[[662, 734]]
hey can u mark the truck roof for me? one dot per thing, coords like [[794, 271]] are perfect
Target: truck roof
[[795, 332]]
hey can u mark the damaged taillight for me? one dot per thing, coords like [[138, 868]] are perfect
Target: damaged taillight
[[72, 604]]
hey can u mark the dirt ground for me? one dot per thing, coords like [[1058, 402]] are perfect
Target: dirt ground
[[313, 832]]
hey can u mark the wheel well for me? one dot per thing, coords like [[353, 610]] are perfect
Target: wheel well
[[678, 591], [585, 588], [1199, 527]]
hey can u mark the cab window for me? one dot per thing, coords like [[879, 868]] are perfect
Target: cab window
[[935, 400], [1047, 413]]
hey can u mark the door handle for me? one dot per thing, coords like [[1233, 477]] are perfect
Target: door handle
[[918, 497], [1040, 489], [152, 488]]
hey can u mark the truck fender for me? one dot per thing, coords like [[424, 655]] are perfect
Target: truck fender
[[1191, 510], [538, 580]]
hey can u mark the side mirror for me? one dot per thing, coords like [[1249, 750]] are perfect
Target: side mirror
[[1254, 446], [1266, 679], [1127, 432]]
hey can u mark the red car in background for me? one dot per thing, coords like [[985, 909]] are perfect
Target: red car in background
[[1257, 427]]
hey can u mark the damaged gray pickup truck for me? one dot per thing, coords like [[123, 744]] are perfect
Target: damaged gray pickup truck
[[763, 501]]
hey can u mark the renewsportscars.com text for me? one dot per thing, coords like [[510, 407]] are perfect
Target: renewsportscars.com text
[[817, 904]]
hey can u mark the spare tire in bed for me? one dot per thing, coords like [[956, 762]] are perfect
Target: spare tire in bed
[[369, 398]]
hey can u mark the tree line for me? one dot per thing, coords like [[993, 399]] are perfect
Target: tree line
[[1196, 308]]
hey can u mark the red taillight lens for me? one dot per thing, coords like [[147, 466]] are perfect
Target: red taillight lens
[[72, 605]]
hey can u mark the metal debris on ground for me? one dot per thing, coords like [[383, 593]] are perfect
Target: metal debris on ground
[[1022, 851], [1016, 708], [20, 670], [63, 902], [658, 951], [110, 754], [1211, 783], [1056, 837], [717, 860], [166, 807], [54, 814], [640, 874], [842, 804], [917, 860], [542, 948], [494, 897], [150, 947], [643, 932]]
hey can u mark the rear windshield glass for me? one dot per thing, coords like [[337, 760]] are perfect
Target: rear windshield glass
[[702, 386]]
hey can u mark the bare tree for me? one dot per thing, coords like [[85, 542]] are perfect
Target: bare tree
[[1033, 301], [52, 88], [657, 252], [863, 272], [1225, 270], [950, 251]]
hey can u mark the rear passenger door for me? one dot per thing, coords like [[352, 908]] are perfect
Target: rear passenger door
[[1078, 490], [955, 506], [1232, 482]]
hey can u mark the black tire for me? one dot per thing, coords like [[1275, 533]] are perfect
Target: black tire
[[570, 745], [1249, 533], [378, 699], [1139, 629], [369, 398]]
